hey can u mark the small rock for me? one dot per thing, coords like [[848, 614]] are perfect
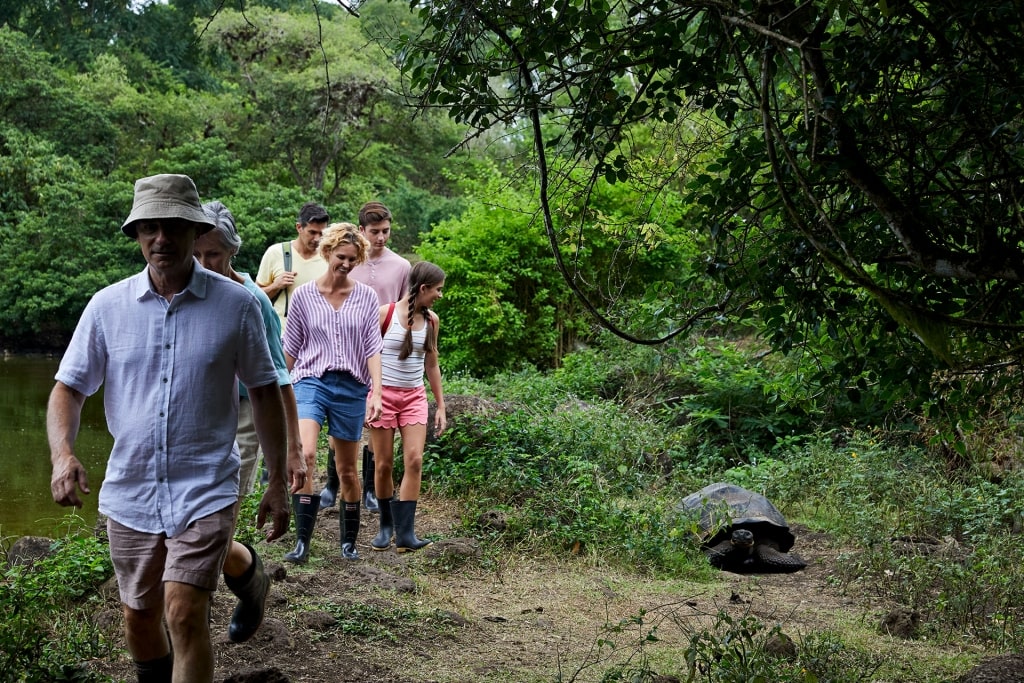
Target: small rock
[[900, 623], [275, 570], [381, 579], [28, 550], [492, 520], [449, 617], [998, 669], [780, 646], [317, 620], [273, 631], [453, 548]]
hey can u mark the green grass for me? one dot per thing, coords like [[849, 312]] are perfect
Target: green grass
[[593, 460]]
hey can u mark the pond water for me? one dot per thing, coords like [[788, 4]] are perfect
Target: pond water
[[26, 506]]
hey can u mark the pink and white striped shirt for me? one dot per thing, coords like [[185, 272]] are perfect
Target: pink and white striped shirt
[[324, 339]]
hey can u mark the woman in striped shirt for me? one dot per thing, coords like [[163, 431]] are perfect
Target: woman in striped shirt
[[332, 345]]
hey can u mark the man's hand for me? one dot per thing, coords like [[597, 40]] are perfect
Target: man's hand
[[286, 279], [275, 504], [63, 416], [67, 480]]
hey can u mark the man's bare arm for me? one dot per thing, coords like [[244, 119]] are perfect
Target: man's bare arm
[[63, 420]]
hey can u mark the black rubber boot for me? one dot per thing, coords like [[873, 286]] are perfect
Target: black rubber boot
[[157, 670], [404, 514], [330, 492], [306, 505], [349, 529], [369, 487], [251, 589], [382, 541]]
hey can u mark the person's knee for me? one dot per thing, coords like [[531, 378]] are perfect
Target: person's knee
[[384, 461], [309, 456], [143, 621], [413, 463], [349, 479], [187, 615]]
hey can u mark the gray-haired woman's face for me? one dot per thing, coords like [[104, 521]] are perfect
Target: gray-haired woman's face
[[212, 254]]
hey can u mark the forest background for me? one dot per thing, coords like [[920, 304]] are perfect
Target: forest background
[[773, 234]]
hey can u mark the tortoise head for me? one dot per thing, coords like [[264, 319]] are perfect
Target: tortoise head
[[742, 538]]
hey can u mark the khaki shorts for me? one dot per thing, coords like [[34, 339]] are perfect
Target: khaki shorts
[[248, 447], [143, 562]]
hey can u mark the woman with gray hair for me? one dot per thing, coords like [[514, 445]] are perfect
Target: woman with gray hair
[[243, 570]]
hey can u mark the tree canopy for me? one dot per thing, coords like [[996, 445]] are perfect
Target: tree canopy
[[840, 178], [856, 167]]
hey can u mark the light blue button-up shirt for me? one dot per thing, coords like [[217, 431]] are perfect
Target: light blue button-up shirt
[[170, 393]]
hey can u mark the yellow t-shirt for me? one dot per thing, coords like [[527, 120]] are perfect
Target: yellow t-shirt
[[272, 265]]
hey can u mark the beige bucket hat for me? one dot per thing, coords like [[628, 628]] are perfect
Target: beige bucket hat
[[165, 196]]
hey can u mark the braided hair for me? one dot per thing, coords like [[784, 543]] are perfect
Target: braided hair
[[423, 274]]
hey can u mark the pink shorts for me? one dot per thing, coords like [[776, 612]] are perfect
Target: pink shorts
[[402, 406]]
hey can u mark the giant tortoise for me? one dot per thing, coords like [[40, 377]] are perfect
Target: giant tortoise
[[741, 531]]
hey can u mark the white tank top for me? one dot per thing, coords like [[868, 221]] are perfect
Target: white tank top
[[406, 373]]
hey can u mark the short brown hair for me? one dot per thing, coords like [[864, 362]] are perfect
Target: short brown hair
[[373, 212]]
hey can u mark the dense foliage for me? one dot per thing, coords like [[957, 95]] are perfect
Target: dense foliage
[[856, 167], [265, 109], [47, 633], [838, 180]]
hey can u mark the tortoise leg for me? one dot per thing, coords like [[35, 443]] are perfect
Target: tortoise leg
[[719, 555], [774, 560]]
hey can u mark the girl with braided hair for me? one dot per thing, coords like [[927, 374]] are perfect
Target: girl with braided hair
[[409, 328]]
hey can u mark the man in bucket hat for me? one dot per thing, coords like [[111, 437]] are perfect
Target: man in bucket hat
[[167, 345]]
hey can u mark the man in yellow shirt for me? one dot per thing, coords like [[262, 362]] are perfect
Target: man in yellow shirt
[[286, 265]]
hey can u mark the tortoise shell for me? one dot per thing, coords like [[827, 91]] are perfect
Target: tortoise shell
[[725, 507]]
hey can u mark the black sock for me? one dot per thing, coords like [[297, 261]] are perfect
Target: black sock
[[155, 670]]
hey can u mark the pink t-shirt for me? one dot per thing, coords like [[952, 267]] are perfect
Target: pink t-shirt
[[387, 275]]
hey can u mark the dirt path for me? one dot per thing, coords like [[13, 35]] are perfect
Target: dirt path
[[454, 613]]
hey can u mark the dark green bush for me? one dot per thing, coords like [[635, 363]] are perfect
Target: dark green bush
[[47, 633]]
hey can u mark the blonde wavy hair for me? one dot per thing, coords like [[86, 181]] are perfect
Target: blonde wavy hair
[[338, 234]]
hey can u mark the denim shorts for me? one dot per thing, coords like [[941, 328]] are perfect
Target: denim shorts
[[337, 397]]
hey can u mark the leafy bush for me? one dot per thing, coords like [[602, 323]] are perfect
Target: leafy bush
[[731, 650], [47, 631], [570, 474]]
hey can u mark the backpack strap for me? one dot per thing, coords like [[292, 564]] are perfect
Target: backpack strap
[[387, 319], [286, 253]]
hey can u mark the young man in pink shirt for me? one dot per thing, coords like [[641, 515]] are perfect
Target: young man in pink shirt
[[388, 274]]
